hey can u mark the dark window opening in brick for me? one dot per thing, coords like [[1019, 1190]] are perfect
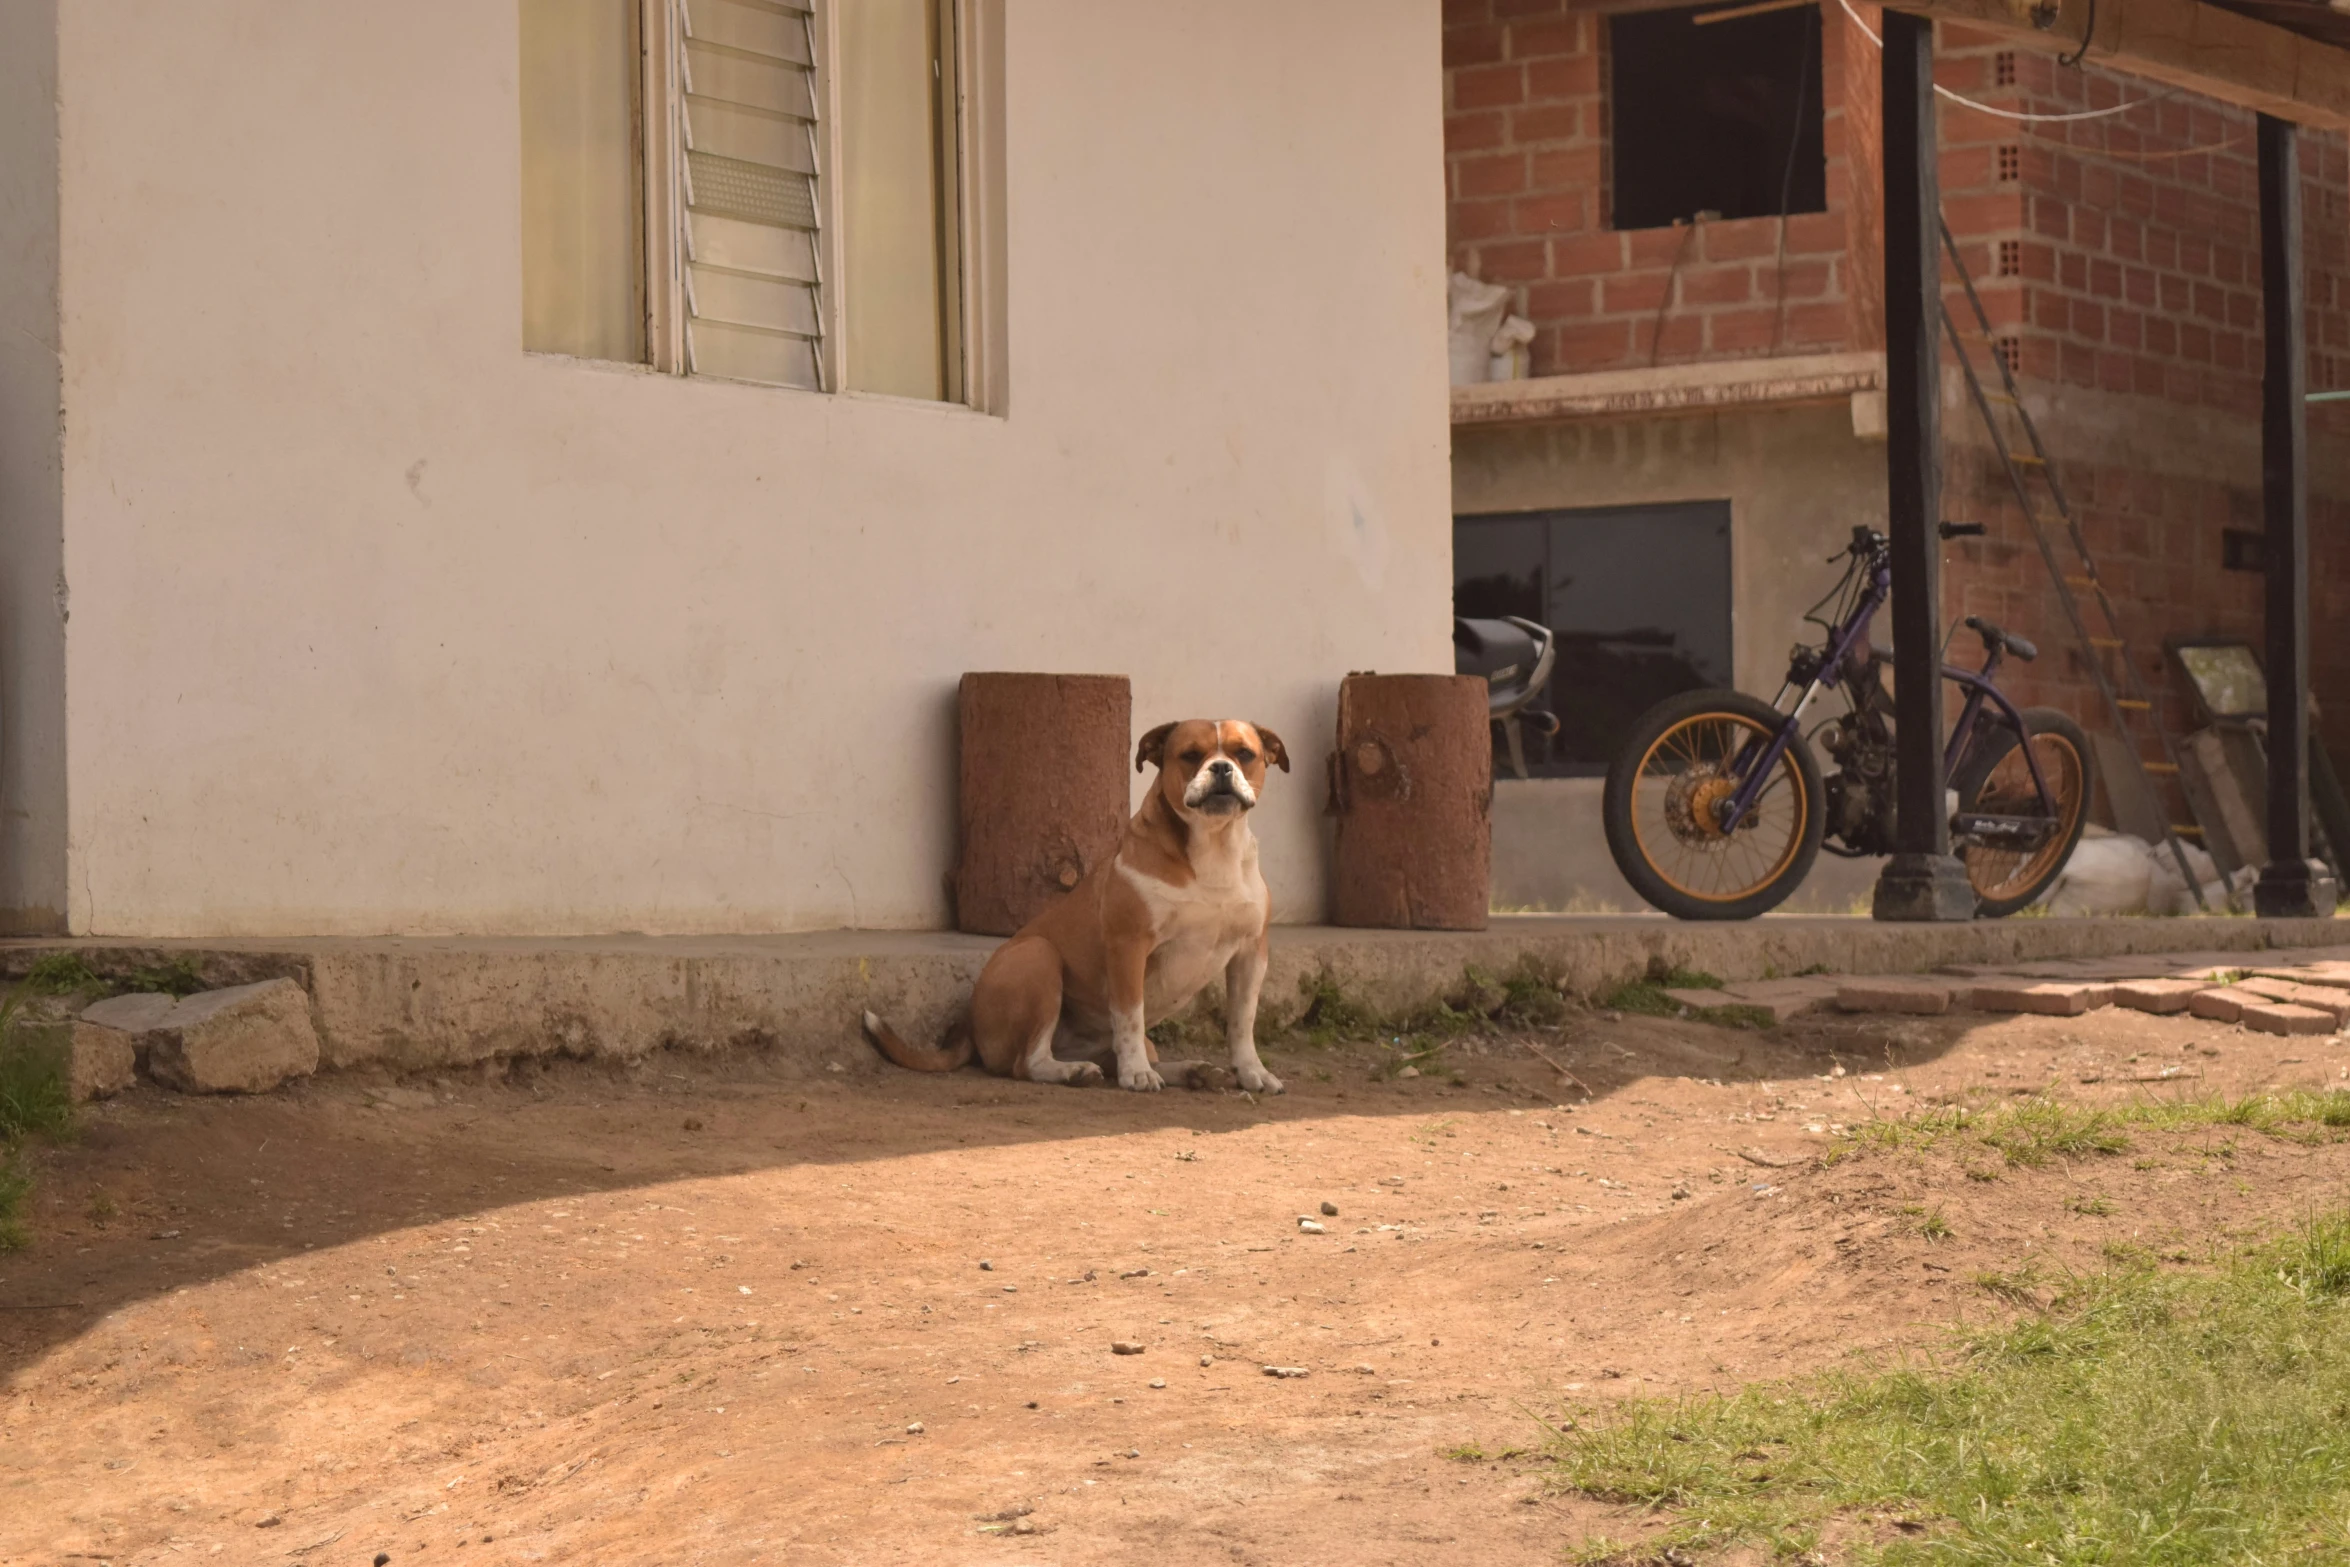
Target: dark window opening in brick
[[2011, 163], [1723, 119], [1639, 597], [2011, 258], [2003, 68], [2011, 353], [2242, 549]]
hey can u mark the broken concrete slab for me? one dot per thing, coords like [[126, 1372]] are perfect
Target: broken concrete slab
[[1784, 998], [139, 1013], [1892, 995], [2163, 996], [102, 1063], [246, 1039], [2046, 997], [2283, 1017], [96, 1062]]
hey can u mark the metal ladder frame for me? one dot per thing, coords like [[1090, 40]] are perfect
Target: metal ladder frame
[[2139, 699]]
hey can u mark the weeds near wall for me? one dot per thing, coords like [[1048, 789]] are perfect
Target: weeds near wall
[[36, 1100], [70, 974]]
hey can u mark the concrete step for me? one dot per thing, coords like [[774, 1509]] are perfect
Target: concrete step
[[411, 1003]]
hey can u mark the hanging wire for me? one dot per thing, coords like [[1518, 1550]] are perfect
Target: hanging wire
[[2014, 114], [2072, 62], [1787, 191]]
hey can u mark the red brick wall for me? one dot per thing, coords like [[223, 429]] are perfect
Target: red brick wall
[[2137, 233], [1525, 156], [2136, 251]]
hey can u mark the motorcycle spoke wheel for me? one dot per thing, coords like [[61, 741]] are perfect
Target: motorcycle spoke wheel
[[1681, 780], [2000, 874]]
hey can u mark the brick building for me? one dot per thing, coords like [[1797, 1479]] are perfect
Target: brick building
[[1724, 352]]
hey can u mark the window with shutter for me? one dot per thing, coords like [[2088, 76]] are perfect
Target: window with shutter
[[759, 190], [753, 271]]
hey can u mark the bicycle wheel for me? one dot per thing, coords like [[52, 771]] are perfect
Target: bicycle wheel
[[1995, 780], [1669, 781]]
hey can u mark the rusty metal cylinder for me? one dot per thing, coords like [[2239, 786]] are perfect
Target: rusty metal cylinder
[[1411, 784], [1043, 794]]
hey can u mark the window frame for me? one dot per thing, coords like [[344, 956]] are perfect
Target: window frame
[[976, 380]]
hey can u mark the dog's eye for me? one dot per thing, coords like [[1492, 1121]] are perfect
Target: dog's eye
[[1244, 756], [1192, 758]]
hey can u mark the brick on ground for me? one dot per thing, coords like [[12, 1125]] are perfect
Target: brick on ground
[[2155, 995], [2332, 976], [1893, 995], [2046, 997], [2284, 1017], [2334, 1003], [2220, 1004]]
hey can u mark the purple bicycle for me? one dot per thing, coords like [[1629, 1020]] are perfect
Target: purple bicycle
[[1716, 808]]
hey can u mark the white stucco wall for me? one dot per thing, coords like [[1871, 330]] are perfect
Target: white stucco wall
[[380, 625]]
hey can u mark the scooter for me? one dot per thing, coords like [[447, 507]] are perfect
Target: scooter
[[1514, 655]]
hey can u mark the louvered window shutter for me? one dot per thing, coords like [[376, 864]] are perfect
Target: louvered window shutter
[[752, 279]]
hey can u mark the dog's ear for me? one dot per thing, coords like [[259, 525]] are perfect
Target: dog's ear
[[1153, 750], [1275, 751]]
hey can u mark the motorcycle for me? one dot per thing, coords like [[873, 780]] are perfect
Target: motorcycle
[[1717, 807]]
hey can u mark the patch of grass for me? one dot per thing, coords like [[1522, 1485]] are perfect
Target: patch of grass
[[34, 1097], [2136, 1417], [2032, 1132], [15, 1186], [2094, 1206], [1329, 1013], [64, 974], [70, 974], [35, 1100], [2038, 1130], [1931, 1223], [1647, 997], [1527, 997], [173, 977]]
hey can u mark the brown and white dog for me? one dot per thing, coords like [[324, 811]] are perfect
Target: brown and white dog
[[1179, 903]]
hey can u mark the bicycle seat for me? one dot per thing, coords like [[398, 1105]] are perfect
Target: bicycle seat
[[1993, 637]]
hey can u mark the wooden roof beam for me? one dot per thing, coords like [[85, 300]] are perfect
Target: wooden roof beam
[[2182, 43]]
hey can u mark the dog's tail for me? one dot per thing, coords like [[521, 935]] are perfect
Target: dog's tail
[[949, 1055]]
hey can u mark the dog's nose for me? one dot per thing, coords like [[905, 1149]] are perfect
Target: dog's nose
[[1221, 768]]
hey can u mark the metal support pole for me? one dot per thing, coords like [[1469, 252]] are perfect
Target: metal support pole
[[2291, 884], [1922, 881]]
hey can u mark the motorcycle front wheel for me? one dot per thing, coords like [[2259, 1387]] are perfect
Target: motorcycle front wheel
[[1682, 760]]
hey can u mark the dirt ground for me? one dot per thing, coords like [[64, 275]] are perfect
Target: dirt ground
[[702, 1311]]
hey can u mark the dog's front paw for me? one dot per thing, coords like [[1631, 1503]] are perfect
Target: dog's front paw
[[1140, 1080], [1259, 1081], [1084, 1075]]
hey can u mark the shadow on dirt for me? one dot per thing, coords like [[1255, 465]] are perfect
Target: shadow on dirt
[[158, 1192]]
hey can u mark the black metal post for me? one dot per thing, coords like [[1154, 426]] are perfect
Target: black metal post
[[2291, 883], [1922, 881]]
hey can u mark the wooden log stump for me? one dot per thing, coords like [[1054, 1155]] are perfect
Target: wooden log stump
[[1043, 794], [1411, 784]]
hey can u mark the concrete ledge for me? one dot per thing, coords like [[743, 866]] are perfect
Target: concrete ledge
[[1721, 383], [415, 1004]]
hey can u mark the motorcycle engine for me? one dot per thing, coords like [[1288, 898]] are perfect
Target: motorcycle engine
[[1860, 791]]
